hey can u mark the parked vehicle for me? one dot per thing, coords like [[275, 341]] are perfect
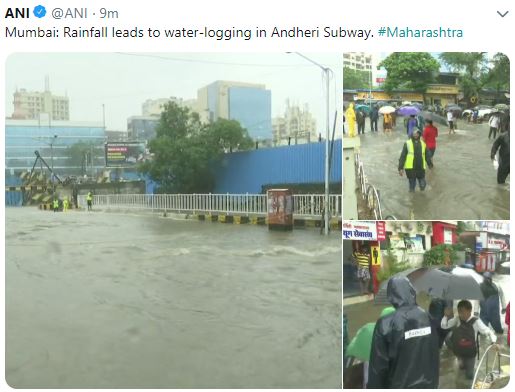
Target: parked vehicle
[[483, 112]]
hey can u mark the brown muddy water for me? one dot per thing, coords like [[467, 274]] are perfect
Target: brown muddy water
[[462, 184], [106, 300]]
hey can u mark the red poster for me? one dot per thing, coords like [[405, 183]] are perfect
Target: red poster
[[381, 231]]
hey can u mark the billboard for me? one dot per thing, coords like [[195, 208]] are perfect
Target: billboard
[[125, 154]]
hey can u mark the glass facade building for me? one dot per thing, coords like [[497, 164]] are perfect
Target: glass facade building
[[252, 108], [250, 105], [142, 128], [54, 142]]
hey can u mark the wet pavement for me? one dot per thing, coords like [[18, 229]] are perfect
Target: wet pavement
[[98, 300], [462, 185], [450, 375]]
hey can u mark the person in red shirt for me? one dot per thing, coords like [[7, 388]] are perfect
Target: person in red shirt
[[430, 134]]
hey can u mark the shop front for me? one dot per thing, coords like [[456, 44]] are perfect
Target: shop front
[[444, 233], [486, 251], [442, 94], [408, 240]]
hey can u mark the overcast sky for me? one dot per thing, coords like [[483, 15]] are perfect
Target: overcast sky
[[124, 81]]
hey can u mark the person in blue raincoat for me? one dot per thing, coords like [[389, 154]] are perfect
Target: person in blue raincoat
[[411, 125]]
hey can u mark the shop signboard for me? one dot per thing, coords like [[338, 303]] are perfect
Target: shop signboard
[[359, 230], [381, 230]]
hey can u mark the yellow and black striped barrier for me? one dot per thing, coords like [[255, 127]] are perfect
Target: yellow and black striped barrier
[[335, 224]]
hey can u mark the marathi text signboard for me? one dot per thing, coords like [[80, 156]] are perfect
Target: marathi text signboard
[[359, 230], [125, 154], [381, 230]]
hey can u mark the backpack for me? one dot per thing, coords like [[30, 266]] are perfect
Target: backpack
[[464, 340]]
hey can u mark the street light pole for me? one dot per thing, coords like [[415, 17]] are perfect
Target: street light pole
[[52, 152], [327, 73]]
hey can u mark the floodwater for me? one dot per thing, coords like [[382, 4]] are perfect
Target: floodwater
[[99, 300], [462, 184], [450, 375]]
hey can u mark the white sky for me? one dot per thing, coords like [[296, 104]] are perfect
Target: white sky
[[123, 82]]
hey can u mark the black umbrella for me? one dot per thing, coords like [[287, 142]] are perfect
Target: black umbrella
[[438, 284]]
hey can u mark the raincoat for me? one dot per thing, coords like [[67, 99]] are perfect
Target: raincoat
[[411, 125], [350, 117], [489, 306], [387, 122], [502, 143], [405, 350]]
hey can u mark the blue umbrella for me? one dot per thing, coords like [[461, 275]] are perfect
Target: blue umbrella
[[408, 111], [364, 108]]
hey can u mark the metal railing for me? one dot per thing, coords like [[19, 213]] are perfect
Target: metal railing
[[491, 373], [368, 192], [246, 204]]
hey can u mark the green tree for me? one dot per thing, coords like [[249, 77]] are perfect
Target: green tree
[[442, 254], [355, 79], [499, 74], [409, 70], [228, 135], [185, 150], [391, 266], [461, 227], [473, 69], [77, 154]]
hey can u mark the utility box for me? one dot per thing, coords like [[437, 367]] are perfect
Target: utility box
[[280, 209]]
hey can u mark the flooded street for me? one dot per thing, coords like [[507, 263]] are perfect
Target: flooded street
[[98, 300], [462, 184]]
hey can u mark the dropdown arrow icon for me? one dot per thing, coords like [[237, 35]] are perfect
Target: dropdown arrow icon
[[503, 14]]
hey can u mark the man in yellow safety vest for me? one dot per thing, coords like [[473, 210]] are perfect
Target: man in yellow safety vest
[[89, 200], [414, 161], [66, 203]]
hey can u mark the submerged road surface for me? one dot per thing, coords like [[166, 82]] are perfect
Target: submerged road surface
[[462, 185], [96, 300]]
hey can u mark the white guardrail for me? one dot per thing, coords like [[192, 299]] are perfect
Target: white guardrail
[[306, 205], [368, 192]]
